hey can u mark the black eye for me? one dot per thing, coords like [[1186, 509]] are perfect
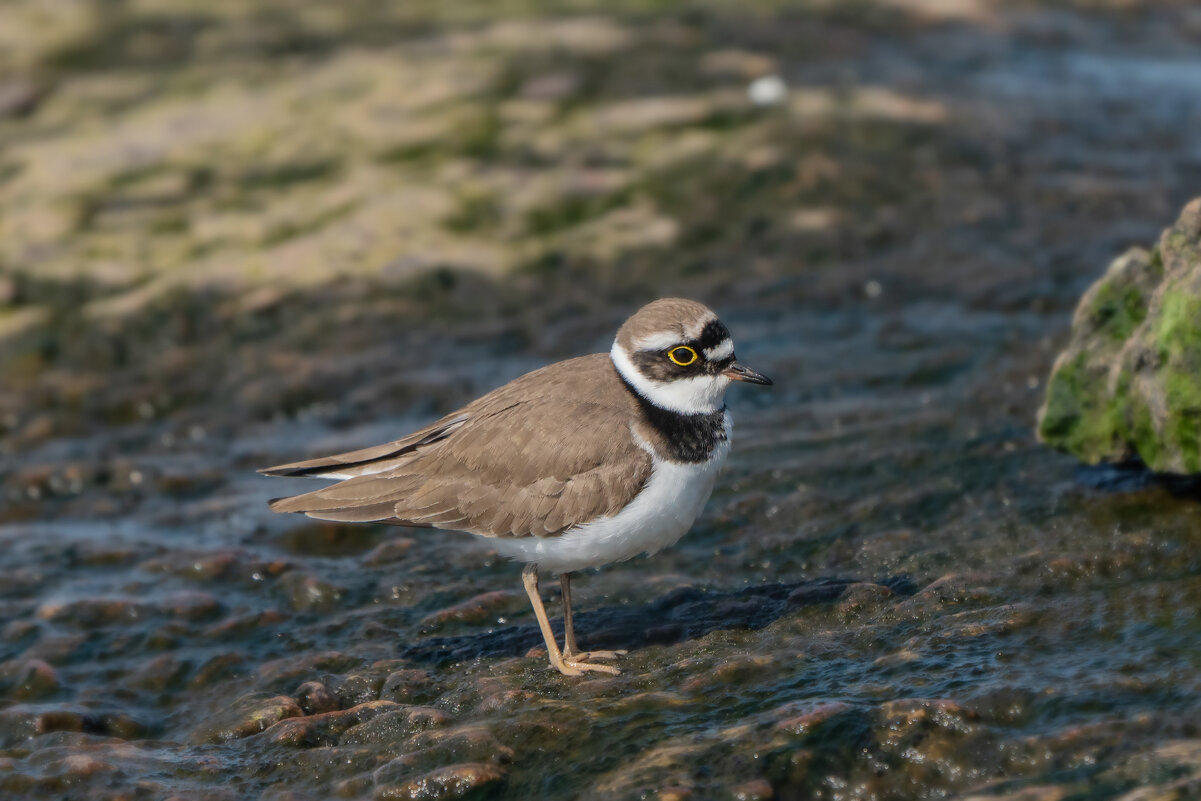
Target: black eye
[[683, 355]]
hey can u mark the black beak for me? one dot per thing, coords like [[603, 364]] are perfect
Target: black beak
[[740, 372]]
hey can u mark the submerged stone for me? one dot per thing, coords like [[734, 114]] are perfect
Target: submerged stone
[[1129, 383], [246, 716]]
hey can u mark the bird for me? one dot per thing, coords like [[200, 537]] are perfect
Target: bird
[[580, 464]]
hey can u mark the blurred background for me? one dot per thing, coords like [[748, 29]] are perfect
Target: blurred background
[[235, 233]]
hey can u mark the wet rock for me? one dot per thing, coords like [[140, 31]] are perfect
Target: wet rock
[[728, 671], [474, 742], [324, 729], [165, 671], [1129, 383], [246, 716], [305, 593], [864, 598], [396, 726], [356, 688], [244, 624], [674, 794], [1038, 793], [21, 722], [216, 669], [286, 673], [94, 612], [20, 583], [756, 790], [315, 698], [81, 766], [28, 679], [192, 605], [952, 589], [482, 608], [388, 552], [282, 792], [803, 718], [408, 686], [196, 565], [442, 784], [327, 539], [682, 614]]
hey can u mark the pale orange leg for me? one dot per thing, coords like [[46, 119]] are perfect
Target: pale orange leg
[[570, 649], [566, 666]]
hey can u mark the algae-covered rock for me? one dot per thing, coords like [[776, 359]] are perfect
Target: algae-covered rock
[[1129, 383]]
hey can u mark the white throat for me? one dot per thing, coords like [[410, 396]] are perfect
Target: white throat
[[698, 395]]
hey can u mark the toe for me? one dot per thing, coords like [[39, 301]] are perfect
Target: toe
[[582, 666]]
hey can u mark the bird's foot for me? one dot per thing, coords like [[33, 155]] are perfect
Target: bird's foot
[[572, 666], [588, 656]]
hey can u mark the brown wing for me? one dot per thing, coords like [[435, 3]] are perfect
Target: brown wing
[[362, 461], [533, 458]]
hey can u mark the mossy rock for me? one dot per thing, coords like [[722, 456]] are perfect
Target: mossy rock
[[1129, 383]]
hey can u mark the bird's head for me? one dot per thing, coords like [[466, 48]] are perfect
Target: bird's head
[[677, 355]]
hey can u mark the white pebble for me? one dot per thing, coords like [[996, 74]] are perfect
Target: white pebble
[[770, 90]]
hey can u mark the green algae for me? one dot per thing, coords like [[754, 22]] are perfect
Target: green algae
[[1080, 415], [1129, 383]]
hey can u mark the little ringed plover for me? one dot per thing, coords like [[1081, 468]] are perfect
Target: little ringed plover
[[582, 463]]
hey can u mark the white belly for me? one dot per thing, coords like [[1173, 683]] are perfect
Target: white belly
[[660, 514]]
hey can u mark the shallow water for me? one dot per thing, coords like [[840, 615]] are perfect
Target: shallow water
[[894, 591]]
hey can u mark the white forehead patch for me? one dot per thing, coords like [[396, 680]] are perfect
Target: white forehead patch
[[720, 351], [658, 341], [695, 330]]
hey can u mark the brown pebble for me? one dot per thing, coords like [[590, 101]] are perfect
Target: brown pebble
[[306, 593], [756, 790], [811, 716], [407, 686], [395, 727], [388, 552], [356, 688], [88, 613], [192, 605], [323, 729], [452, 781], [673, 794], [28, 679], [215, 669], [862, 597], [245, 717], [197, 565], [314, 698]]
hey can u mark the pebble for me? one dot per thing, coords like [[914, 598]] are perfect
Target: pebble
[[315, 698], [165, 671], [245, 717], [356, 688], [195, 565], [408, 686], [755, 790], [90, 613], [28, 679], [864, 598], [442, 784], [396, 726], [305, 593], [803, 718], [218, 668], [324, 729], [388, 552]]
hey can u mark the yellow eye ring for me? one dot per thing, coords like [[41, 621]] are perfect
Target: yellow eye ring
[[682, 355]]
